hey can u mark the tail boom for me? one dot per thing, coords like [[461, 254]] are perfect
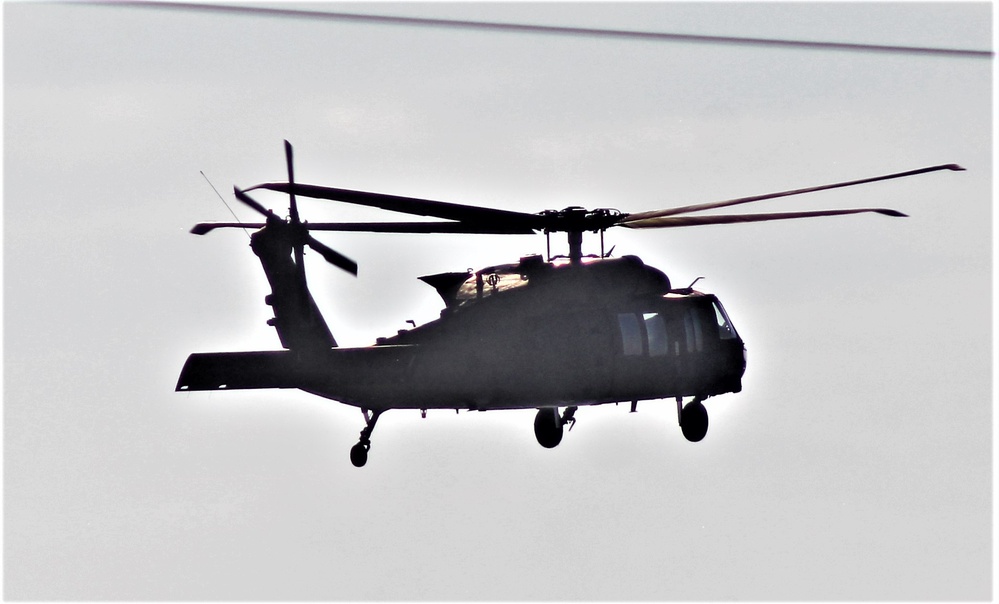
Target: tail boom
[[374, 377]]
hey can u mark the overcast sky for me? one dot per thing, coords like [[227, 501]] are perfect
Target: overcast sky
[[855, 464]]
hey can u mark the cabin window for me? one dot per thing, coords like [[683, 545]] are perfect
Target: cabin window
[[725, 329], [631, 334], [655, 328], [692, 328]]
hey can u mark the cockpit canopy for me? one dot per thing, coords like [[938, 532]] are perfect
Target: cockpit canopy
[[597, 278]]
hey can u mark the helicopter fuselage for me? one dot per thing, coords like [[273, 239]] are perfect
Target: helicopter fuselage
[[526, 335]]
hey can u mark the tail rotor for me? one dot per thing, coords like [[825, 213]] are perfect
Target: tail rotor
[[293, 229]]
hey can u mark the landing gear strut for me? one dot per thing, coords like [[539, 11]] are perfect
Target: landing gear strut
[[548, 425], [359, 452], [693, 419]]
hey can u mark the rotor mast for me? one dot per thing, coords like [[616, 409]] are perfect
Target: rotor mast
[[574, 221], [575, 247]]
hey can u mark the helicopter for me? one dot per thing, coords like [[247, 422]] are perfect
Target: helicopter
[[587, 329]]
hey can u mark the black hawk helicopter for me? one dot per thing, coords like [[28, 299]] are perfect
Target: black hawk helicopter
[[591, 329]]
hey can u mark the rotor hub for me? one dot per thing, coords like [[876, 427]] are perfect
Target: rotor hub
[[579, 219]]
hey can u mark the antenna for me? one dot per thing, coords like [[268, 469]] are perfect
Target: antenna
[[224, 202]]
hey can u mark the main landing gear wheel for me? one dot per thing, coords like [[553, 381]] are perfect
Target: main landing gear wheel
[[694, 421], [548, 427]]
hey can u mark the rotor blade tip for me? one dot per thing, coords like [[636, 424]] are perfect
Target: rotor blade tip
[[955, 168], [894, 213]]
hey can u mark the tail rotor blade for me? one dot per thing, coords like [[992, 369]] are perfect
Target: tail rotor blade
[[203, 228], [332, 256], [293, 209], [293, 206], [253, 204]]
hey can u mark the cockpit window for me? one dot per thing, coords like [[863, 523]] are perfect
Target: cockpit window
[[725, 329]]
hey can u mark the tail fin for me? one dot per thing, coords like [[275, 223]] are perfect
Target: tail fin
[[297, 319]]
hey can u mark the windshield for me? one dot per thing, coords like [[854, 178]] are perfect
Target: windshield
[[725, 329]]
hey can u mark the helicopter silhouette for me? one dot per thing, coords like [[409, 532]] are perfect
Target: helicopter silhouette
[[581, 330]]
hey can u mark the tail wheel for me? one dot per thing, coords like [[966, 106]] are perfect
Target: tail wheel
[[359, 455], [694, 421], [548, 427]]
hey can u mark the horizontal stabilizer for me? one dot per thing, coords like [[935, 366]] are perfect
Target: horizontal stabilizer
[[239, 371]]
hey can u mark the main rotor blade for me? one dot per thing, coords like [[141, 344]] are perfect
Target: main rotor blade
[[240, 195], [681, 221], [549, 29], [471, 215], [333, 257], [203, 228], [417, 227], [741, 200]]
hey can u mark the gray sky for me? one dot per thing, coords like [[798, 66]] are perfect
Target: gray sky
[[856, 463]]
